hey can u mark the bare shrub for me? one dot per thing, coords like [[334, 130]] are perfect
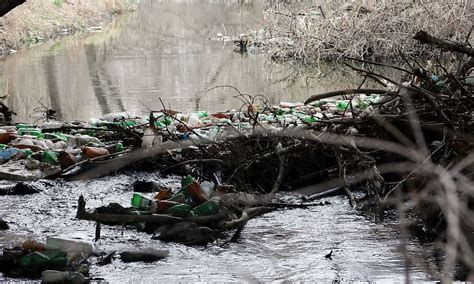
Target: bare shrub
[[333, 29]]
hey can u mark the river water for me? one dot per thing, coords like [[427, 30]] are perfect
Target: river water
[[163, 51]]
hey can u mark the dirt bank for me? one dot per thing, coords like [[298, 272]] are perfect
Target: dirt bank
[[39, 20]]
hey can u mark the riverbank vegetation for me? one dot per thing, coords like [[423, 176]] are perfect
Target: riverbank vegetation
[[315, 30], [38, 20]]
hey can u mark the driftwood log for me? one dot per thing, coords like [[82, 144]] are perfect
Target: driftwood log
[[8, 5], [425, 38]]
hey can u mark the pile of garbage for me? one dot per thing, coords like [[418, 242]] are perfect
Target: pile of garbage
[[30, 151], [193, 199], [189, 215], [55, 259], [64, 261]]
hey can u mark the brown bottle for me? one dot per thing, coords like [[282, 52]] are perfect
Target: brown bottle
[[196, 192], [32, 245], [164, 205], [94, 152], [6, 137], [163, 194], [66, 159]]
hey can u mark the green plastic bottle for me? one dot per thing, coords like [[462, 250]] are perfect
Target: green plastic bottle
[[50, 157], [202, 114], [211, 207], [141, 202], [62, 136], [24, 125], [31, 131], [342, 105], [3, 146], [166, 120], [187, 180], [183, 196], [26, 152], [309, 119], [119, 147], [126, 123], [50, 259], [180, 210]]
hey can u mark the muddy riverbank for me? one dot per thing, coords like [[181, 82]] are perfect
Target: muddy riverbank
[[37, 21]]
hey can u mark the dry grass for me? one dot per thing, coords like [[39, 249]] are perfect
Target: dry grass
[[38, 20], [333, 29]]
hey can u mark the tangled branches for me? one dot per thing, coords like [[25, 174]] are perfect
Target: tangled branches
[[334, 29]]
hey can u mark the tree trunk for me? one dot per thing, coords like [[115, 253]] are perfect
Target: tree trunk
[[8, 5]]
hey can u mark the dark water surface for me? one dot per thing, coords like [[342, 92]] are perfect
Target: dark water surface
[[163, 51], [283, 245]]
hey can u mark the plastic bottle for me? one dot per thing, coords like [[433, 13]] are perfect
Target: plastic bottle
[[24, 125], [211, 207], [32, 245], [57, 136], [41, 143], [287, 105], [52, 124], [36, 132], [163, 194], [148, 139], [126, 123], [94, 152], [118, 147], [195, 191], [7, 154], [114, 148], [208, 187], [3, 146], [50, 157], [213, 133], [52, 259], [163, 205], [180, 210], [6, 137], [76, 251], [26, 152], [194, 121], [181, 197], [166, 120], [191, 195], [81, 140], [54, 276], [66, 159], [141, 202], [309, 119], [342, 105], [187, 180]]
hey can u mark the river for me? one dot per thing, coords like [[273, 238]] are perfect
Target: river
[[162, 51]]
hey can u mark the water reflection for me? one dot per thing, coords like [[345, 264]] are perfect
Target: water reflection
[[160, 51]]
